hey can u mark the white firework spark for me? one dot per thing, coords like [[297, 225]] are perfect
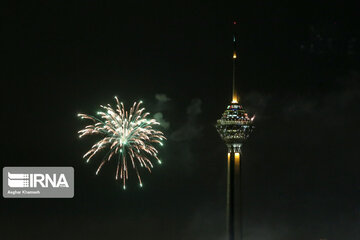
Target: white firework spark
[[129, 135]]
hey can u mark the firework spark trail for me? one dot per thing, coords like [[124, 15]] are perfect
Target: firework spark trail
[[128, 134]]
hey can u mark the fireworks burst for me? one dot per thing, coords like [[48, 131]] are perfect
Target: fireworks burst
[[128, 135]]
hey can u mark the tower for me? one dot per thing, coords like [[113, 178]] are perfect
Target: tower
[[234, 128]]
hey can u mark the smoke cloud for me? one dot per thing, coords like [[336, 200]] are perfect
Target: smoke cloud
[[162, 100], [160, 118], [191, 128]]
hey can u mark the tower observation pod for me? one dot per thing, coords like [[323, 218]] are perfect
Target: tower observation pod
[[234, 128]]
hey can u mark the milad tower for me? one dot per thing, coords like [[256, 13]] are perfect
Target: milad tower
[[234, 128]]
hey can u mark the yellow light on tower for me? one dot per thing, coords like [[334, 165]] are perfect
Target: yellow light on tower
[[234, 55], [234, 100], [237, 159]]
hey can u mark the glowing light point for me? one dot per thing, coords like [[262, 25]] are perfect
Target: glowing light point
[[159, 162], [141, 185]]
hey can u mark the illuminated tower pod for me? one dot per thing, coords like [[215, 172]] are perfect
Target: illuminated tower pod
[[234, 128]]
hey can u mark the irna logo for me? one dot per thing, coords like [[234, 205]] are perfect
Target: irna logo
[[19, 180]]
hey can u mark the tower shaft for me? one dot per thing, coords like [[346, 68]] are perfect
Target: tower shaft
[[233, 205]]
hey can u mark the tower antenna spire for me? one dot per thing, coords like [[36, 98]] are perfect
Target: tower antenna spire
[[234, 94]]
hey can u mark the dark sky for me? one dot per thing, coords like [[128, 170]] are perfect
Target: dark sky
[[298, 71]]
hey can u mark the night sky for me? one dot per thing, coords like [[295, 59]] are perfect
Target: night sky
[[298, 70]]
